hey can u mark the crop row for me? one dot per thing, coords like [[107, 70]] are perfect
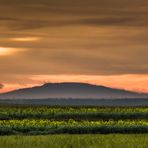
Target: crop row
[[46, 110], [74, 113], [71, 126], [76, 116]]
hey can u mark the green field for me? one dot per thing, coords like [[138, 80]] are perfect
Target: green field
[[34, 127], [77, 113], [44, 120], [75, 141], [73, 127]]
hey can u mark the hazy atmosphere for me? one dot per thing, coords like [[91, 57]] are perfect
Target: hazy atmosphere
[[99, 42]]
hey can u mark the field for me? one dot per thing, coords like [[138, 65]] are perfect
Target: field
[[44, 120], [73, 127], [78, 102], [76, 141]]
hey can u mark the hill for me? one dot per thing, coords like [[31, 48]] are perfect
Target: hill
[[71, 90]]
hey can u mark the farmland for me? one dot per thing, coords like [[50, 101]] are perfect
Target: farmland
[[44, 120], [76, 141]]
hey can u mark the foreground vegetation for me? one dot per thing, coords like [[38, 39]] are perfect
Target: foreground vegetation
[[75, 141], [71, 127], [34, 120], [77, 113]]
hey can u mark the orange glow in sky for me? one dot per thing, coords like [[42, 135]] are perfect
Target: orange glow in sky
[[5, 51], [129, 82], [25, 39]]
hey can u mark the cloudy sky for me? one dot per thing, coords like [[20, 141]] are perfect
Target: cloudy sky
[[96, 41]]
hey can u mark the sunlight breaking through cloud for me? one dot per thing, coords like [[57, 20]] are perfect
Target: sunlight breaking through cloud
[[25, 39], [4, 51]]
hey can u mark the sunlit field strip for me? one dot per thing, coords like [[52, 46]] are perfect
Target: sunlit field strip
[[71, 126], [77, 113]]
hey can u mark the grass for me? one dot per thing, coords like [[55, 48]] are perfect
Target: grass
[[77, 113], [44, 123], [41, 120], [35, 127], [75, 141]]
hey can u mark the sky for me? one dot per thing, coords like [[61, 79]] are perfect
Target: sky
[[102, 42]]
